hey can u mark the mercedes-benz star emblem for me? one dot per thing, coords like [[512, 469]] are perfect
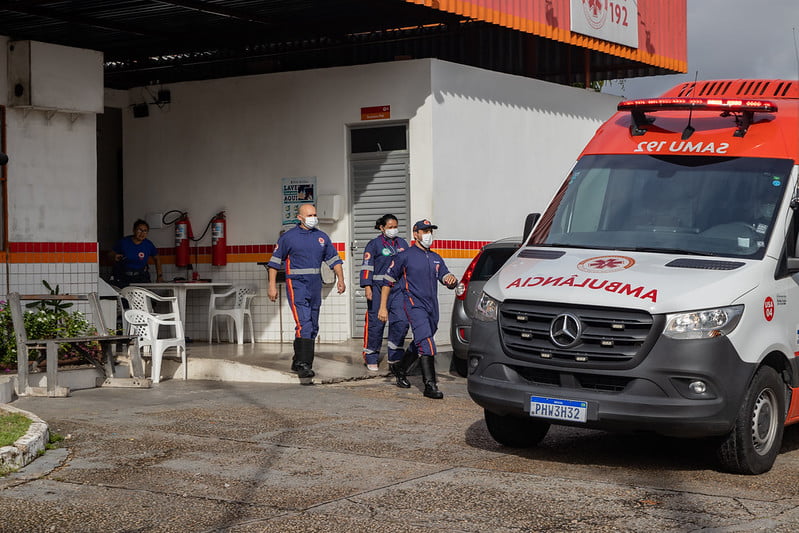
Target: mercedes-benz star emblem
[[565, 330]]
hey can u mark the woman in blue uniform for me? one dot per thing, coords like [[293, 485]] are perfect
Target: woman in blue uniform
[[376, 257], [418, 271]]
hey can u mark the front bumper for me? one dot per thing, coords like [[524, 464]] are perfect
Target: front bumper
[[652, 396]]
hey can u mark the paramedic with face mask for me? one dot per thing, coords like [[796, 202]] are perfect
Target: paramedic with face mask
[[377, 255], [418, 272], [302, 250]]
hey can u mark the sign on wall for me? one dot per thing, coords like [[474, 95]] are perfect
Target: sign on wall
[[610, 20], [296, 191], [376, 112]]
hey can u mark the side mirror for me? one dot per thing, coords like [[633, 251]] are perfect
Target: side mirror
[[3, 159], [529, 223], [794, 203]]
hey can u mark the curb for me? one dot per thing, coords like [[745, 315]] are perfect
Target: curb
[[26, 448]]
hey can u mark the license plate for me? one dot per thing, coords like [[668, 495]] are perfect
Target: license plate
[[556, 409]]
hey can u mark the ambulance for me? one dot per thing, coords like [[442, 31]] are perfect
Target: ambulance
[[659, 290]]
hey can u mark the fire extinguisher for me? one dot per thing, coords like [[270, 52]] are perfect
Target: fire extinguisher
[[218, 240], [183, 236]]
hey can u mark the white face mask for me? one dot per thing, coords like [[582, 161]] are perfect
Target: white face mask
[[391, 233], [427, 239], [311, 222]]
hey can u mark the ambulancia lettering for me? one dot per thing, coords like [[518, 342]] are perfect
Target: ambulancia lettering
[[618, 287], [698, 147]]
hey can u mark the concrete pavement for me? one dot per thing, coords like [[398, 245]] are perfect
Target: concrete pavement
[[363, 455]]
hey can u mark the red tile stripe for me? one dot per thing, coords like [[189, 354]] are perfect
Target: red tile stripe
[[87, 252]]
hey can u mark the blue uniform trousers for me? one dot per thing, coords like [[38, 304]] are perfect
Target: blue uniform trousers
[[424, 326], [305, 299], [373, 329]]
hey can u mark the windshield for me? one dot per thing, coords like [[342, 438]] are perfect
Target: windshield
[[721, 206]]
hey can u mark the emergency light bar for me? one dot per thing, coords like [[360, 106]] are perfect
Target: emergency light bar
[[726, 106]]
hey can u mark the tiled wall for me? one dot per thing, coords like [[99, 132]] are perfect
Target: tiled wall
[[72, 267], [273, 322]]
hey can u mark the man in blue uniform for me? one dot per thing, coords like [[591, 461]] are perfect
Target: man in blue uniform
[[418, 271], [302, 250]]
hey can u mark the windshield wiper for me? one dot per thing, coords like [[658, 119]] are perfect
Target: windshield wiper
[[558, 245], [675, 251]]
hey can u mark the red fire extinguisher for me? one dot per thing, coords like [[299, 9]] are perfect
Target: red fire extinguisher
[[218, 240], [183, 236]]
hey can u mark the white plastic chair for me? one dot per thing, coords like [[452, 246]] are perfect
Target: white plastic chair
[[235, 314], [148, 327], [142, 300]]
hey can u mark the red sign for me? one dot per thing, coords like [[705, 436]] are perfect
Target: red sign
[[376, 112], [768, 308]]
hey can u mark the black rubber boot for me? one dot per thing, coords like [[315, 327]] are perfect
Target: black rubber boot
[[305, 358], [428, 366], [399, 369], [296, 358]]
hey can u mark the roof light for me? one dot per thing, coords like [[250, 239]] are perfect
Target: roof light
[[727, 106], [698, 104]]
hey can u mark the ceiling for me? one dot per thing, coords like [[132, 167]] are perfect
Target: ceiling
[[164, 41]]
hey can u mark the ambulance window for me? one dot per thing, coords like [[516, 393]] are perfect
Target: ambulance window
[[588, 202]]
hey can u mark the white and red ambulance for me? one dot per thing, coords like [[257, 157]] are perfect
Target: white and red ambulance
[[659, 291]]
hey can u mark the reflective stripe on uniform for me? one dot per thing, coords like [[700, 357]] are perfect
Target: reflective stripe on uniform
[[300, 271]]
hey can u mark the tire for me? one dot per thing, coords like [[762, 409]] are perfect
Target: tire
[[753, 444], [515, 432], [459, 366]]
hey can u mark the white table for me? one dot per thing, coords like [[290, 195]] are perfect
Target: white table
[[180, 289]]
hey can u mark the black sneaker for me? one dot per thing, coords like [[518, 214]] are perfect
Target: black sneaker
[[304, 370]]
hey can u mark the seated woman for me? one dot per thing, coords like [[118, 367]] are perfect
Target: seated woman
[[132, 255]]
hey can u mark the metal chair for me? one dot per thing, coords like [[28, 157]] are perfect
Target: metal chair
[[147, 327], [235, 313]]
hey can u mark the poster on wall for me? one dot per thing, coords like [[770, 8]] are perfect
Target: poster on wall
[[296, 191]]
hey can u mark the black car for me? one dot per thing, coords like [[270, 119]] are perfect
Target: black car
[[485, 264]]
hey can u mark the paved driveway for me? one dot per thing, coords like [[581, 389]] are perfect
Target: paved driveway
[[203, 456]]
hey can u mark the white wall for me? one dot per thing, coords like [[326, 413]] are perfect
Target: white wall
[[3, 71], [51, 184], [52, 177], [52, 159], [502, 146], [226, 144]]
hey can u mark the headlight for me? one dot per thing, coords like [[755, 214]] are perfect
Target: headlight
[[703, 324], [486, 308]]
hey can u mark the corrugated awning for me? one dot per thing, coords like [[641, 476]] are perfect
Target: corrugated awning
[[662, 26]]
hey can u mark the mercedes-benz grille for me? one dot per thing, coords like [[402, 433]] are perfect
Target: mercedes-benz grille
[[578, 337]]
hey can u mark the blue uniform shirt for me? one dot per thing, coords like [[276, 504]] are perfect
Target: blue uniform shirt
[[135, 255], [302, 251], [418, 272], [376, 257]]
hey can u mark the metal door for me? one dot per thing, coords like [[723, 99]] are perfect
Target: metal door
[[379, 185]]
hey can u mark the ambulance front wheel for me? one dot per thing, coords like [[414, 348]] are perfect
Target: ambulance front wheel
[[516, 432], [753, 444]]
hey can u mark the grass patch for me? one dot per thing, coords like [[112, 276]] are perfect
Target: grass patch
[[12, 427]]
